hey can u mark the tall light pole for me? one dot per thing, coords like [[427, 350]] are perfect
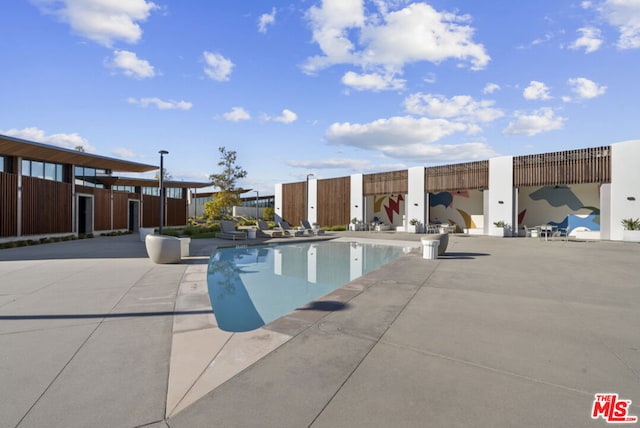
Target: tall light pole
[[257, 210], [306, 201], [162, 153]]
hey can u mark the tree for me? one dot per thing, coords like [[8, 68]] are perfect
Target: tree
[[231, 173], [165, 177], [226, 181]]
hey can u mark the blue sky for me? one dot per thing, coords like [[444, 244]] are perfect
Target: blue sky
[[330, 87]]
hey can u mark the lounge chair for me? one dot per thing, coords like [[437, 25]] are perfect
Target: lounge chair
[[288, 231], [228, 231], [310, 230], [264, 231]]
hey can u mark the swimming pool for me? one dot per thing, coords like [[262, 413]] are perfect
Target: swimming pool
[[252, 286]]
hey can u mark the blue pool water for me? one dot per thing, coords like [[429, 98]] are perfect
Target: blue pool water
[[252, 286]]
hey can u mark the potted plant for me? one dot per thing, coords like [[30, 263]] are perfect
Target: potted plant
[[414, 226], [631, 231], [354, 224], [499, 228]]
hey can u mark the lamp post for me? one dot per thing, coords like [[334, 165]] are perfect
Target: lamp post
[[306, 201], [162, 153]]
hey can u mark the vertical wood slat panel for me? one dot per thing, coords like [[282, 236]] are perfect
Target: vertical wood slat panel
[[462, 176], [8, 204], [333, 201], [293, 200], [120, 210], [46, 206], [176, 212], [102, 209], [150, 211], [384, 183], [592, 165]]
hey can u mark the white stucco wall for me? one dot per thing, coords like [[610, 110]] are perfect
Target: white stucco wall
[[312, 207], [415, 204], [625, 185], [356, 207], [277, 202], [500, 206]]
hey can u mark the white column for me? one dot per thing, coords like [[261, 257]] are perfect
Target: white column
[[625, 193], [312, 208], [356, 208], [277, 203], [415, 204], [500, 199]]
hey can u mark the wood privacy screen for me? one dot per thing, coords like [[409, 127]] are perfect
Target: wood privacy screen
[[8, 204], [333, 201], [462, 176], [384, 183], [46, 206], [591, 165], [294, 196]]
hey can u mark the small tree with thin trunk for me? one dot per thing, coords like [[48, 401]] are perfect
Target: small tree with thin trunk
[[226, 182]]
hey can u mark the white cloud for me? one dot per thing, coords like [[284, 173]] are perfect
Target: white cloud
[[131, 65], [460, 107], [585, 88], [536, 91], [590, 40], [237, 114], [372, 81], [388, 40], [543, 120], [333, 163], [102, 21], [217, 67], [266, 19], [398, 137], [161, 104], [287, 116], [66, 141], [123, 153], [409, 139], [625, 16], [490, 88]]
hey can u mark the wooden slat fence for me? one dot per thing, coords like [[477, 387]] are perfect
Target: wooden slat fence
[[8, 204], [384, 183], [46, 206], [592, 165], [333, 201], [462, 176]]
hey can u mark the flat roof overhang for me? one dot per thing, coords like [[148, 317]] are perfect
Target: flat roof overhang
[[146, 182], [11, 146]]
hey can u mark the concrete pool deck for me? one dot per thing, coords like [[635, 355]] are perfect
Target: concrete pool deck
[[498, 332]]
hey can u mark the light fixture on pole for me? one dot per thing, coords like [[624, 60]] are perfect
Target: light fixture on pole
[[162, 153], [306, 199]]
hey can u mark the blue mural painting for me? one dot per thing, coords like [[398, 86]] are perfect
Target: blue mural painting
[[557, 197]]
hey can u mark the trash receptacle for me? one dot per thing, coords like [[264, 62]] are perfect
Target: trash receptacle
[[430, 248]]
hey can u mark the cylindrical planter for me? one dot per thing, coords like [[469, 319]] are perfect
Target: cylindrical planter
[[430, 248], [442, 237], [163, 249]]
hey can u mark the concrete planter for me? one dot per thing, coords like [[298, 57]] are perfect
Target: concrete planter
[[163, 249], [442, 237], [631, 235], [144, 231], [184, 246]]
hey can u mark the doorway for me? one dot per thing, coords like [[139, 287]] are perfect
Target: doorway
[[85, 214], [134, 215]]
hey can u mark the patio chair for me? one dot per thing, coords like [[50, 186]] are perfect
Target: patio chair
[[530, 232], [288, 231], [562, 232], [264, 231], [310, 230], [228, 231]]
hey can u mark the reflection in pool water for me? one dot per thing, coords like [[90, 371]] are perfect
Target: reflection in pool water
[[252, 286]]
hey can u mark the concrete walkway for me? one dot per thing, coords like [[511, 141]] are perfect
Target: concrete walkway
[[499, 332]]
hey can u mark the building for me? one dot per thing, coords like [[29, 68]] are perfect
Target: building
[[251, 206], [48, 191], [589, 191]]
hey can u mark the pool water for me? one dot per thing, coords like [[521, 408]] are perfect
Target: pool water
[[252, 286]]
